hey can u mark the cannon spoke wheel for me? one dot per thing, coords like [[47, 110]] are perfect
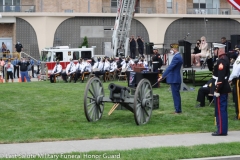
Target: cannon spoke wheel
[[143, 102], [93, 105]]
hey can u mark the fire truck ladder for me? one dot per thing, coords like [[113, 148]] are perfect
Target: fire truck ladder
[[120, 38]]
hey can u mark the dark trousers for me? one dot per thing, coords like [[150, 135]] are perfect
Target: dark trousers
[[38, 69], [9, 74], [236, 94], [53, 77], [16, 68], [202, 93], [33, 71], [175, 88], [98, 73], [77, 76], [221, 113], [64, 76], [133, 52], [140, 50]]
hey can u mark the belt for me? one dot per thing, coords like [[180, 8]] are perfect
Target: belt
[[155, 62], [214, 77]]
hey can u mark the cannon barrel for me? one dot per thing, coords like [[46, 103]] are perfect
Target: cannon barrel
[[118, 92], [116, 88]]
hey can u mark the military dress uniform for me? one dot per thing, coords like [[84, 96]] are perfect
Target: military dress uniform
[[105, 67], [221, 72], [71, 69], [79, 68], [57, 70], [156, 61], [234, 78]]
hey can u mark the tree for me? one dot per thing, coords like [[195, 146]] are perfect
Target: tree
[[84, 43]]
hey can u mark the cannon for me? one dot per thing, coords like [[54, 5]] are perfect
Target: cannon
[[141, 103]]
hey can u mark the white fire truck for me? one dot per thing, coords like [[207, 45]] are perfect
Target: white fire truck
[[63, 54]]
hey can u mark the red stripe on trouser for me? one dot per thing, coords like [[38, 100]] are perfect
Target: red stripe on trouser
[[219, 115]]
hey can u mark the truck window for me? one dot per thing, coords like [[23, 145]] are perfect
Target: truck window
[[75, 55], [86, 54], [46, 56], [59, 56]]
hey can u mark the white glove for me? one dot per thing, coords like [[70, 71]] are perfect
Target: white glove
[[216, 94]]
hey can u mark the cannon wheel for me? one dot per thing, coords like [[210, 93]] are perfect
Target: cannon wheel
[[143, 102], [93, 105]]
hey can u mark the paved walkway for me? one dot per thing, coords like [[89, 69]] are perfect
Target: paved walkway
[[115, 144]]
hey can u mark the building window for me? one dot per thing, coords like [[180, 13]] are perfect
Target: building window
[[199, 3], [169, 3], [12, 2], [114, 3]]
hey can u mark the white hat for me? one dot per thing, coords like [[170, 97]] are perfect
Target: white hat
[[218, 45], [155, 48]]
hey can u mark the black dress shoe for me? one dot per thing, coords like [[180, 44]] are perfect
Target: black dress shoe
[[217, 134]]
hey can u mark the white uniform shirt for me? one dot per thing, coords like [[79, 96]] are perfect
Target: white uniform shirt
[[131, 61], [145, 64], [59, 68], [70, 68], [105, 66], [127, 65], [79, 66], [87, 66], [97, 65], [236, 69], [113, 66]]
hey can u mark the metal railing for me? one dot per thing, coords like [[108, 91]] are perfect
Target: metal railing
[[219, 11], [12, 8], [146, 10]]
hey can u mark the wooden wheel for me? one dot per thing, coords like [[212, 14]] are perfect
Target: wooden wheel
[[143, 102], [93, 95]]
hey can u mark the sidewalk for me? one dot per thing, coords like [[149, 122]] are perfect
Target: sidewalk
[[58, 147]]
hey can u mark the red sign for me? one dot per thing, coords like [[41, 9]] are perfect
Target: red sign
[[235, 4]]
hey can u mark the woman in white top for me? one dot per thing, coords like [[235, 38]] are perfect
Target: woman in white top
[[203, 47]]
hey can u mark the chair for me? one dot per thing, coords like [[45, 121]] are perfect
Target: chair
[[196, 11], [84, 74], [122, 74]]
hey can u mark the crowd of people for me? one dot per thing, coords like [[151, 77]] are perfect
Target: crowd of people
[[104, 67]]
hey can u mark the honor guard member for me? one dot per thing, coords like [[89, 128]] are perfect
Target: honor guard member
[[79, 68], [16, 67], [104, 68], [221, 72], [173, 75], [156, 60], [97, 64], [57, 71], [234, 79], [70, 71], [87, 68], [113, 65]]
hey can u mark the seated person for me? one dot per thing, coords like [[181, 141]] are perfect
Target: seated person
[[87, 68], [70, 71], [196, 51], [203, 47], [113, 65], [104, 68], [97, 65], [203, 92], [57, 70], [79, 67]]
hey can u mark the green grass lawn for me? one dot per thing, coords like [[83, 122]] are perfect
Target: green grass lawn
[[41, 111]]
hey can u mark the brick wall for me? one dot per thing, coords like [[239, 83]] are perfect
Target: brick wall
[[6, 30]]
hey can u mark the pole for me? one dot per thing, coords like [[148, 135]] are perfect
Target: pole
[[88, 6]]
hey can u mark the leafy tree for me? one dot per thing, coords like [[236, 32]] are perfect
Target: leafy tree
[[84, 43]]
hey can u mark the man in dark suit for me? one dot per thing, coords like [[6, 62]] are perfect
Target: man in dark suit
[[173, 75]]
